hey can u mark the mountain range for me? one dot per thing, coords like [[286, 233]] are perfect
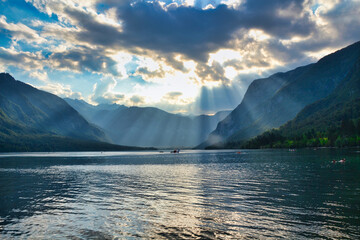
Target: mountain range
[[342, 103], [331, 121], [310, 103], [148, 126], [271, 102], [35, 120]]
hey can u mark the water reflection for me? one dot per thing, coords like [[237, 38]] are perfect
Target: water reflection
[[260, 194]]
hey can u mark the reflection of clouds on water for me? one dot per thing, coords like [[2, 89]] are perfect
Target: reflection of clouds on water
[[191, 195]]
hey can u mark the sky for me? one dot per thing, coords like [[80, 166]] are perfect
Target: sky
[[187, 56]]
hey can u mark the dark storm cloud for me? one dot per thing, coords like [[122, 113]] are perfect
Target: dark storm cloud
[[191, 31], [281, 18], [84, 59], [280, 52], [341, 29], [93, 31], [344, 18], [196, 32]]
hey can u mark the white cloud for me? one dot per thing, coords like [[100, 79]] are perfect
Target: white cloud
[[24, 60], [40, 75], [21, 32], [2, 68], [61, 90], [103, 92]]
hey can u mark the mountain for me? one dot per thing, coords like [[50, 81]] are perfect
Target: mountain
[[271, 102], [41, 110], [342, 103], [148, 126], [34, 120], [331, 121], [99, 114]]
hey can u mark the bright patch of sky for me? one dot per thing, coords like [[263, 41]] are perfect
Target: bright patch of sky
[[186, 56]]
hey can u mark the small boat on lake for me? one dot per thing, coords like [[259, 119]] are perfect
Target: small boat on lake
[[176, 151]]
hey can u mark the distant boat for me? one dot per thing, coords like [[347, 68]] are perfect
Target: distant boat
[[175, 151]]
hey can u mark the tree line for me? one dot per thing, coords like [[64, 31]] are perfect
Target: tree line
[[347, 134]]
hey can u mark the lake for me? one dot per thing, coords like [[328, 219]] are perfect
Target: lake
[[194, 194]]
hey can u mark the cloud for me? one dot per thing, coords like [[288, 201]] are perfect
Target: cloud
[[20, 32], [150, 74], [191, 31], [103, 92], [215, 72], [137, 100], [93, 30], [171, 60], [187, 30], [281, 18], [84, 59], [40, 75], [173, 95], [149, 28], [195, 32], [109, 98], [186, 47], [338, 25], [25, 60], [61, 90], [175, 98], [104, 86]]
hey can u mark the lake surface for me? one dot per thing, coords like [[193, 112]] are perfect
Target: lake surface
[[194, 194]]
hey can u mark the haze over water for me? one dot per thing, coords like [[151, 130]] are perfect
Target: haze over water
[[194, 194]]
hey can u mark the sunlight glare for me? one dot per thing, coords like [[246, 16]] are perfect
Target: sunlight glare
[[258, 35], [224, 55], [122, 58]]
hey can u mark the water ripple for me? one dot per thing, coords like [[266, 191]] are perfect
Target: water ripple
[[261, 194]]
